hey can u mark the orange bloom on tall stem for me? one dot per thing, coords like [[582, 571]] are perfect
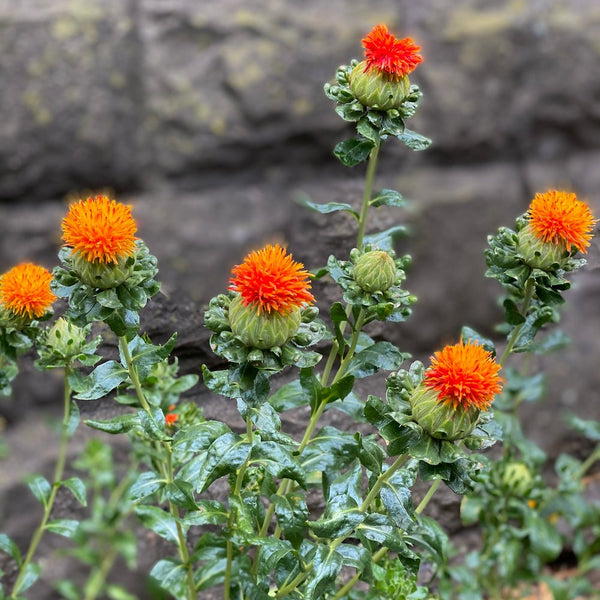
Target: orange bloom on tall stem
[[272, 281], [559, 217], [101, 229], [465, 375], [389, 55], [25, 290]]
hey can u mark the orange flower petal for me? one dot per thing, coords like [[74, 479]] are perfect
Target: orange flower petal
[[558, 216], [25, 290], [390, 55], [101, 229], [272, 281], [465, 375]]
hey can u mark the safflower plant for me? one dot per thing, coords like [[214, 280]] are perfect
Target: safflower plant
[[265, 537]]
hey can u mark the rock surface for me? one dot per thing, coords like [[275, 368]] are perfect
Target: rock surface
[[209, 118]]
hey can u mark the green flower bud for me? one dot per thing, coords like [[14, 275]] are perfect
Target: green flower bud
[[376, 89], [517, 479], [539, 254], [65, 339], [262, 330], [375, 271], [103, 275], [440, 419]]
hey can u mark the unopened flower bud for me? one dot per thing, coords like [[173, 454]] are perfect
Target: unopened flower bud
[[376, 89], [66, 339], [441, 419], [260, 329], [375, 271], [103, 275], [539, 254], [517, 479]]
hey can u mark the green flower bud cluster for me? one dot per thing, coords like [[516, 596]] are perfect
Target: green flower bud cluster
[[439, 419], [64, 343], [517, 479], [372, 279], [102, 275], [269, 341]]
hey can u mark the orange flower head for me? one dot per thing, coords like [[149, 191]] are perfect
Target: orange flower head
[[25, 290], [171, 417], [101, 229], [559, 217], [389, 55], [464, 375], [270, 280]]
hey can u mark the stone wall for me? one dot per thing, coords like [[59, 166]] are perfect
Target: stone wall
[[121, 93]]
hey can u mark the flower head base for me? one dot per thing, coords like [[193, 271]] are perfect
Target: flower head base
[[464, 375], [271, 282], [25, 291], [100, 230], [560, 218], [386, 54]]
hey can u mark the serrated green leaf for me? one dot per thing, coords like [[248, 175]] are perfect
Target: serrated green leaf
[[341, 517], [546, 542], [288, 396], [103, 380], [272, 551], [353, 151], [207, 512], [181, 493], [119, 424], [387, 197], [198, 437], [292, 515], [381, 355], [327, 563], [415, 141], [77, 488], [171, 576], [146, 484], [159, 521], [329, 207], [384, 240], [277, 461], [145, 354], [330, 448], [31, 575], [209, 574], [365, 128], [589, 429], [396, 497], [40, 488], [468, 334], [64, 527], [7, 545], [225, 455], [153, 424]]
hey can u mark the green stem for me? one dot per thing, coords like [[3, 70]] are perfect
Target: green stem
[[381, 481], [166, 469], [57, 478], [95, 583], [362, 219], [352, 582], [290, 587], [528, 295], [362, 224], [428, 496], [237, 492]]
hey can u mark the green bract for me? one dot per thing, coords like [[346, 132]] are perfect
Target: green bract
[[262, 330], [224, 342], [117, 306], [102, 275], [375, 89], [375, 271], [388, 304]]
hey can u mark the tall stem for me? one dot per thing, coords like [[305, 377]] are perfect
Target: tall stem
[[362, 220], [428, 496], [57, 478], [529, 288], [237, 492], [166, 469]]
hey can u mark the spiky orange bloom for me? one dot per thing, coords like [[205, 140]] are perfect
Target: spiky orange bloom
[[272, 281], [392, 56], [465, 375], [25, 290], [558, 216], [101, 229]]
